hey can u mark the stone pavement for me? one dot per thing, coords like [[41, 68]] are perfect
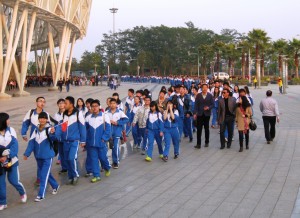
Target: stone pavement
[[261, 182]]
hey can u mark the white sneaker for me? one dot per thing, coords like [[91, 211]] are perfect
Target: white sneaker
[[226, 140], [232, 139], [38, 199], [54, 191], [24, 198], [2, 207]]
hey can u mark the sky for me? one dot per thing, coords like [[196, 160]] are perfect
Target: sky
[[280, 19]]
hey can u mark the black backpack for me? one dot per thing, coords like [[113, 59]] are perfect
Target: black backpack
[[53, 144]]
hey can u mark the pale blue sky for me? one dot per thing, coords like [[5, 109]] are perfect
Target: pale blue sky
[[281, 19]]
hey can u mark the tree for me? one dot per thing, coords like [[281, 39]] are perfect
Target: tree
[[280, 47], [294, 47], [88, 61]]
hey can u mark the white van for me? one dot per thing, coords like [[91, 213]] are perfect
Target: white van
[[222, 75]]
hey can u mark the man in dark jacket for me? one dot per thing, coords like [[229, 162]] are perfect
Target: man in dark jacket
[[226, 116], [204, 102]]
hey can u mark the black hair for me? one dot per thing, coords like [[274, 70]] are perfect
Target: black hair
[[140, 92], [83, 104], [95, 101], [40, 97], [154, 103], [71, 100], [245, 103], [147, 96], [170, 89], [269, 93], [163, 91], [204, 84], [226, 83], [228, 91], [89, 100], [60, 100], [195, 87], [247, 90], [218, 93], [242, 90], [131, 90], [163, 88], [112, 99], [118, 100], [3, 121]]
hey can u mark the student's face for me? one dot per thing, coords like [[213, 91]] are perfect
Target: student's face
[[41, 103], [113, 105], [8, 122], [161, 95], [42, 121], [153, 108], [61, 105], [138, 95], [136, 100], [68, 105], [95, 108], [80, 103], [3, 159], [147, 101], [130, 94]]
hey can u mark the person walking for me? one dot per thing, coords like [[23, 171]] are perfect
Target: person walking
[[255, 82], [98, 133], [270, 113], [9, 162], [226, 116], [41, 143], [242, 118], [72, 133], [203, 104], [279, 82]]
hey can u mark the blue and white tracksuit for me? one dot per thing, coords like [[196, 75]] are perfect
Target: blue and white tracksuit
[[58, 117], [171, 132], [181, 115], [39, 144], [215, 112], [72, 132], [128, 107], [32, 122], [9, 141], [137, 139], [193, 98], [98, 133], [154, 127], [116, 131]]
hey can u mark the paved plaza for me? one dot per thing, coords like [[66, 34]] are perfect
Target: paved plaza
[[260, 182]]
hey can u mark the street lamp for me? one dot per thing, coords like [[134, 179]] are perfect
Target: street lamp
[[198, 64], [114, 11]]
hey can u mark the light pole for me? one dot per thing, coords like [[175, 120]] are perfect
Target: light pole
[[114, 11], [198, 64]]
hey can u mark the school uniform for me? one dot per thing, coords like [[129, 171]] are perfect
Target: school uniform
[[40, 145], [116, 131], [72, 132], [9, 141], [154, 127], [128, 107], [141, 118], [98, 133], [171, 133], [58, 117]]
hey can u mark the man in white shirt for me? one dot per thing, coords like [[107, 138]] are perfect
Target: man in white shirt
[[270, 113]]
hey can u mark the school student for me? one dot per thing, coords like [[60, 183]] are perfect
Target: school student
[[117, 119], [9, 163], [41, 143], [154, 128], [98, 133], [128, 106], [171, 132], [135, 129], [58, 117]]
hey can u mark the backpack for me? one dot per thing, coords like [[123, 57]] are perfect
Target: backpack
[[53, 144]]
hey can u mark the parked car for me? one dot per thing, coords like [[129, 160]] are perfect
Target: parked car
[[221, 75]]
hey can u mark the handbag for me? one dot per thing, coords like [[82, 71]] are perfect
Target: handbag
[[252, 125]]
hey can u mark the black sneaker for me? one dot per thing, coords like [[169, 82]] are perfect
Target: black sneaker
[[222, 147], [176, 156], [62, 172], [197, 146], [165, 158], [191, 139], [206, 145], [115, 165]]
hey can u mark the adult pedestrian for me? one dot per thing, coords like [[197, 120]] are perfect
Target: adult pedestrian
[[203, 104], [270, 113], [226, 116], [243, 115]]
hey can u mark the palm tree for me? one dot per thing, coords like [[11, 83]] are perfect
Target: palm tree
[[259, 39], [280, 47], [294, 47], [231, 54]]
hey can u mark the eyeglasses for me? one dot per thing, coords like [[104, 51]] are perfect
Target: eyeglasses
[[224, 92]]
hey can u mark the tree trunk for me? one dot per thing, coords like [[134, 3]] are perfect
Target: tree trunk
[[262, 65], [297, 65], [247, 65], [256, 61], [280, 65], [243, 65]]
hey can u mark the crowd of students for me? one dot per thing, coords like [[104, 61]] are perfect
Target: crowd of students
[[178, 111]]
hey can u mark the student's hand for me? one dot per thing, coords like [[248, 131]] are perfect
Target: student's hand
[[278, 120], [82, 145], [133, 124], [52, 130], [25, 138], [161, 134], [25, 157]]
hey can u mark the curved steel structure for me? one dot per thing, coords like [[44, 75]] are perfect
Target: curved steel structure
[[39, 26]]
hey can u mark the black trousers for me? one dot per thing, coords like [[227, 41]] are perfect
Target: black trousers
[[229, 123], [202, 121], [269, 125], [241, 137]]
